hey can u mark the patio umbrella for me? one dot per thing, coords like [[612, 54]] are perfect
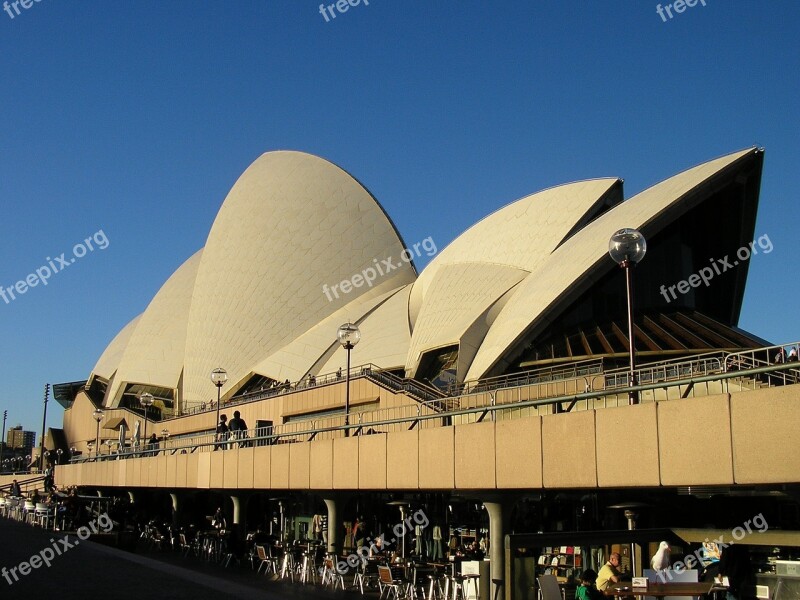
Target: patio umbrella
[[122, 432], [136, 434]]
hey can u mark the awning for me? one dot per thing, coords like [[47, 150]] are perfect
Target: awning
[[769, 537], [115, 423]]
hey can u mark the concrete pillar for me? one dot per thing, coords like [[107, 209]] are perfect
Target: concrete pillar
[[499, 510], [334, 530], [175, 509], [237, 510]]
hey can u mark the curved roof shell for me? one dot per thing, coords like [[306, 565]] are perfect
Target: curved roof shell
[[287, 259], [576, 264], [452, 298], [292, 224], [154, 353]]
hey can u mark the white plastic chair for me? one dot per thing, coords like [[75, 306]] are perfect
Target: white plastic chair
[[43, 514], [29, 511]]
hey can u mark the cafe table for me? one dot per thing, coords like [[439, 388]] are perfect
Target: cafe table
[[660, 590]]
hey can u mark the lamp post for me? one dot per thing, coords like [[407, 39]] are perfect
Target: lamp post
[[97, 415], [3, 439], [349, 335], [627, 248], [146, 400], [218, 377], [59, 452]]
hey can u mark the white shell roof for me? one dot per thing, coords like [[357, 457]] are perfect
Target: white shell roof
[[564, 274], [450, 299], [265, 295], [109, 361], [292, 224], [155, 351]]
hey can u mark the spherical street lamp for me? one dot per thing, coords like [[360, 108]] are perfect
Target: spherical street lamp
[[97, 415], [146, 400], [165, 437], [218, 377], [627, 248], [349, 335]]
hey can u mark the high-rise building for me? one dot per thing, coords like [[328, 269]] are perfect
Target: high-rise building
[[20, 440]]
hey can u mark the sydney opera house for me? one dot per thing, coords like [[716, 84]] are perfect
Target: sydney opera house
[[491, 387]]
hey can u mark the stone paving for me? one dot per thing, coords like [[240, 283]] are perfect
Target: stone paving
[[87, 570]]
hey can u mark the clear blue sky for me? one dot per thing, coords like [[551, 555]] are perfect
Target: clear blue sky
[[135, 118]]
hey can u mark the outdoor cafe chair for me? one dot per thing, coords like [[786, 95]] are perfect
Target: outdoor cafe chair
[[185, 546], [330, 575], [42, 514], [367, 575], [391, 587], [29, 511], [266, 561]]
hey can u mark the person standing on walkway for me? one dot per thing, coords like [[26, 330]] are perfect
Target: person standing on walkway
[[222, 432], [237, 427]]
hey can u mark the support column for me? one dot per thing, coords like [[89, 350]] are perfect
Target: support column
[[499, 510], [335, 506], [237, 510], [175, 509]]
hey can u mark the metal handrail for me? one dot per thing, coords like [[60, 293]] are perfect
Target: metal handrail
[[286, 434], [540, 375]]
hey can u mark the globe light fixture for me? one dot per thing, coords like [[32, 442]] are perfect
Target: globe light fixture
[[218, 377], [349, 335], [147, 401], [627, 248]]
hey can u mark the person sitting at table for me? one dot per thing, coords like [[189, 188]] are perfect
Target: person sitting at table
[[376, 548], [610, 572], [473, 551], [587, 590], [218, 520]]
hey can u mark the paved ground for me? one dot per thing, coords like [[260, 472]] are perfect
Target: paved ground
[[85, 569]]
